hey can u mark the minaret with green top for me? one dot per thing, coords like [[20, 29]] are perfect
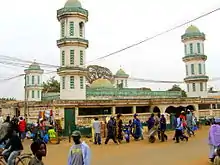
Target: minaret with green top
[[72, 44], [121, 79], [33, 82], [195, 58]]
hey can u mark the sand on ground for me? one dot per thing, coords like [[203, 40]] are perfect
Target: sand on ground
[[193, 152]]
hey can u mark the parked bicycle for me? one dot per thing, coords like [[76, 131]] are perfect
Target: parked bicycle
[[22, 159]]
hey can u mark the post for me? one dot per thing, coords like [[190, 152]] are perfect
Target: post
[[25, 98]]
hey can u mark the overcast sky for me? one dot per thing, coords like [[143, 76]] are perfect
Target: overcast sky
[[29, 30]]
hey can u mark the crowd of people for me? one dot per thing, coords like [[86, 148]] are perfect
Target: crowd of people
[[157, 124]]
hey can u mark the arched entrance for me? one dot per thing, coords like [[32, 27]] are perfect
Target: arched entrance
[[170, 109], [179, 109], [191, 107], [156, 110]]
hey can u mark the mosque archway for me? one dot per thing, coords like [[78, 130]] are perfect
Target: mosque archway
[[156, 109], [170, 109], [180, 109], [191, 107]]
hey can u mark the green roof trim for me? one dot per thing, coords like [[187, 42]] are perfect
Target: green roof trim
[[34, 66]]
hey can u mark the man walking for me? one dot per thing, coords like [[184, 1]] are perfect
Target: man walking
[[79, 153], [97, 131]]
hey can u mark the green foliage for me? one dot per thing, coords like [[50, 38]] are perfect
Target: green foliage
[[177, 88], [51, 85]]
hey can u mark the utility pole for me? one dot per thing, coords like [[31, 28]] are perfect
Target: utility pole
[[25, 98]]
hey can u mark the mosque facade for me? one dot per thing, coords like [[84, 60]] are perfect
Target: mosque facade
[[82, 98]]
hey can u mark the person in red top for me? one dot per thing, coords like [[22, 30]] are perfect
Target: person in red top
[[22, 128], [183, 117]]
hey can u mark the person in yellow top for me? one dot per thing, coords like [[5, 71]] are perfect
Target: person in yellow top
[[52, 133]]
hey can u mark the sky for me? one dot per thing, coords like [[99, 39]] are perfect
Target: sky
[[29, 30]]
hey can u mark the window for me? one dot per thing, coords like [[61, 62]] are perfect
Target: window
[[63, 58], [32, 80], [117, 81], [63, 82], [81, 25], [72, 82], [81, 83], [191, 48], [32, 94], [71, 57], [198, 48], [204, 68], [62, 29], [126, 83], [187, 87], [187, 70], [71, 29], [27, 79], [38, 79], [192, 69], [185, 48], [201, 86], [200, 69], [81, 57], [38, 94], [194, 87]]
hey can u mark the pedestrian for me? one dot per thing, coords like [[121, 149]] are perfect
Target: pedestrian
[[39, 150], [119, 125], [97, 131], [189, 122], [22, 128], [79, 153], [217, 157], [163, 126], [111, 131], [150, 122], [214, 138], [179, 130], [137, 127]]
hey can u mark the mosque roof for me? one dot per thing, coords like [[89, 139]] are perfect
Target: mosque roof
[[101, 83], [73, 4], [34, 67], [192, 29], [121, 73]]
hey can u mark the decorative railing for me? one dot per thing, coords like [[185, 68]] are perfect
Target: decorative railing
[[191, 35], [65, 40], [67, 10], [118, 93]]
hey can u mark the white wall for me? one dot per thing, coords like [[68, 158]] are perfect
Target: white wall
[[77, 93], [196, 68], [72, 94], [119, 80]]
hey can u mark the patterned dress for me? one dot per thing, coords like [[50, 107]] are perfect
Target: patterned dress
[[119, 129]]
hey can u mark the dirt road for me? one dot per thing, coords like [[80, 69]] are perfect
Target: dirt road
[[193, 152]]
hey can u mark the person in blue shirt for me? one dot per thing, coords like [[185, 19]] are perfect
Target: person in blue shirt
[[137, 127], [79, 153], [179, 130]]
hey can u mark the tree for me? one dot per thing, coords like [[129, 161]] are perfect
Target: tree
[[51, 85], [177, 88]]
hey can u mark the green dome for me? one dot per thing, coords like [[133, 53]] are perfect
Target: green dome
[[192, 29], [101, 83], [73, 4], [34, 66], [121, 73]]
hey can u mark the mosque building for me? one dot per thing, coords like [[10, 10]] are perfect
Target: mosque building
[[80, 100]]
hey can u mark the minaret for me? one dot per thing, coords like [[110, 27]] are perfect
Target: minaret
[[34, 83], [196, 79], [121, 79], [72, 44]]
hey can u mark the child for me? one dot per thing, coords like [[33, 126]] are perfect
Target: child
[[217, 158], [39, 150]]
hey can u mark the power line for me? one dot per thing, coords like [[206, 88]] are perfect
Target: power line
[[157, 35]]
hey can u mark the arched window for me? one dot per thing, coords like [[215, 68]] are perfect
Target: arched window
[[81, 29]]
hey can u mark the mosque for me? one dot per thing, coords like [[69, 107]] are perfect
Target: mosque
[[79, 100]]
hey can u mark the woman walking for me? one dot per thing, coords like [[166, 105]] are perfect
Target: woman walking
[[119, 129]]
